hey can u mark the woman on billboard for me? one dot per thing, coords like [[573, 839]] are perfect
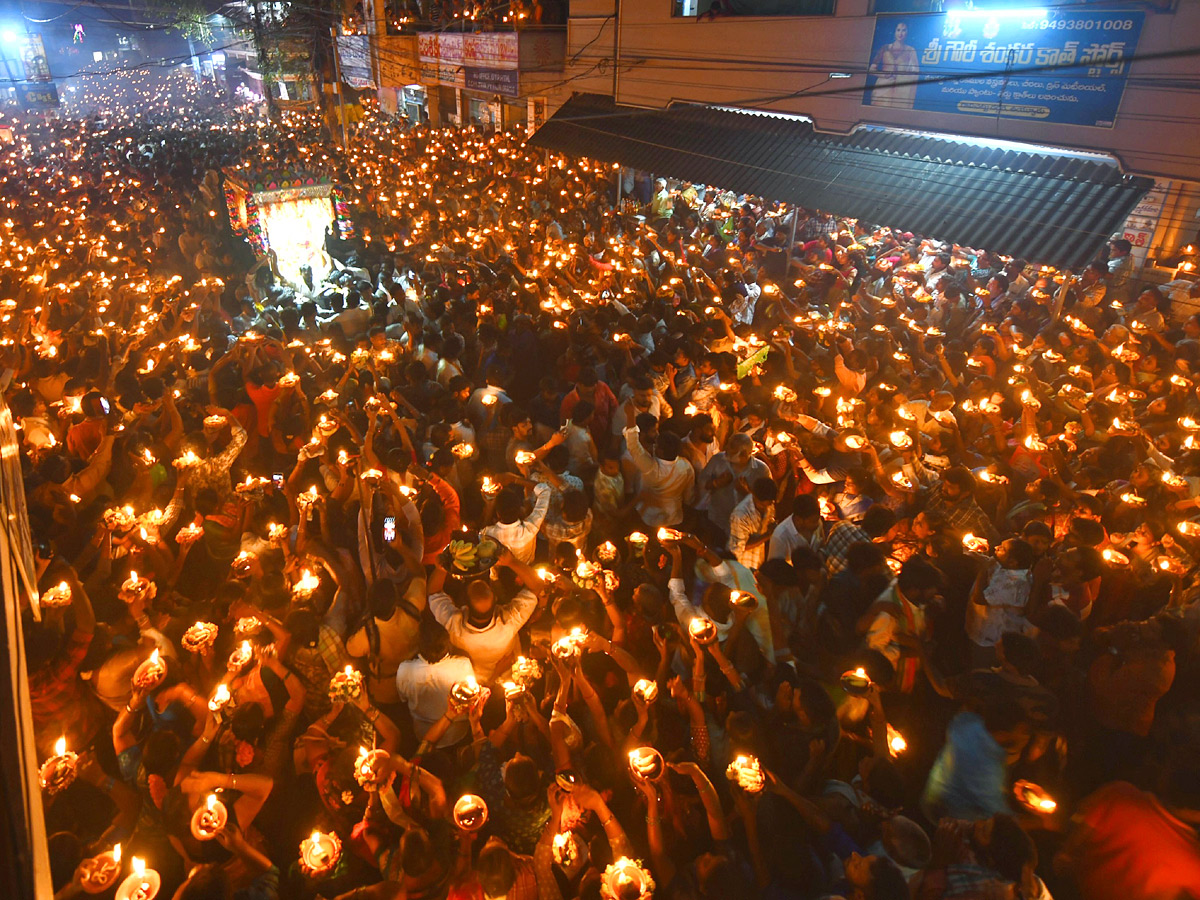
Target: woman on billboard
[[895, 68]]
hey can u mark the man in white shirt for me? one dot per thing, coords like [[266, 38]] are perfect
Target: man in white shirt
[[485, 629], [666, 479], [803, 526], [517, 533], [424, 682], [752, 522]]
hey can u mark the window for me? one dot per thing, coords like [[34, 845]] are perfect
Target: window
[[690, 8]]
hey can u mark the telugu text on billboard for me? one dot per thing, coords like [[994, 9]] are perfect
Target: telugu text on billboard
[[1063, 66]]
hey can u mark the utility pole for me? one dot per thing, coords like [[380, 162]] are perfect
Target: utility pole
[[337, 77]]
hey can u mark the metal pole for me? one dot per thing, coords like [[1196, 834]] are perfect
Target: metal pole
[[787, 269], [337, 74]]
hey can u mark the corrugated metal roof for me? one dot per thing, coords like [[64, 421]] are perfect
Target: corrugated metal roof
[[1051, 208]]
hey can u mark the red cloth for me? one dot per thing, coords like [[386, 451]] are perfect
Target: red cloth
[[1133, 848], [262, 398], [83, 438], [435, 543], [606, 405], [57, 701]]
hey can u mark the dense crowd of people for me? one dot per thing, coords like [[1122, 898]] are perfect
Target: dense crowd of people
[[548, 542]]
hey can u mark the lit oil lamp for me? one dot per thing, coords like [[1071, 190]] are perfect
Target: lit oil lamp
[[56, 597], [319, 853], [241, 655], [585, 573], [665, 534], [569, 645], [646, 690], [974, 543], [465, 692], [703, 629], [901, 440], [243, 562], [1115, 558], [1035, 445], [489, 486], [856, 681], [247, 626], [896, 742], [470, 813], [786, 395], [1133, 499], [646, 764], [143, 884], [626, 880], [187, 460], [746, 772], [607, 551], [150, 673], [566, 849], [1170, 565], [1125, 353], [902, 481], [638, 540], [134, 584], [525, 458], [189, 533], [216, 420], [277, 533], [209, 819], [306, 586], [346, 685], [992, 478], [369, 768], [488, 400], [220, 698], [743, 598], [1034, 798], [526, 671], [99, 873], [59, 771], [1189, 529], [512, 690], [463, 450]]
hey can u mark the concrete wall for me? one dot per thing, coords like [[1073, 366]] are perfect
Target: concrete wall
[[742, 61]]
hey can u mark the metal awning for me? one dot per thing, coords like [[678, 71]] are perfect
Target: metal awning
[[1051, 207]]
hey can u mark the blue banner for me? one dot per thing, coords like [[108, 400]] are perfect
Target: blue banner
[[37, 97], [1052, 65]]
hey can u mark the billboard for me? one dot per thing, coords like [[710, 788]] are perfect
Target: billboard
[[38, 97], [1052, 65], [354, 55]]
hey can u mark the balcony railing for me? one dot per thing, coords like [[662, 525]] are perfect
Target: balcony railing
[[414, 16]]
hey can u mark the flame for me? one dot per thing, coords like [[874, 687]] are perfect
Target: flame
[[154, 657], [116, 852], [212, 802], [60, 746], [139, 867]]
